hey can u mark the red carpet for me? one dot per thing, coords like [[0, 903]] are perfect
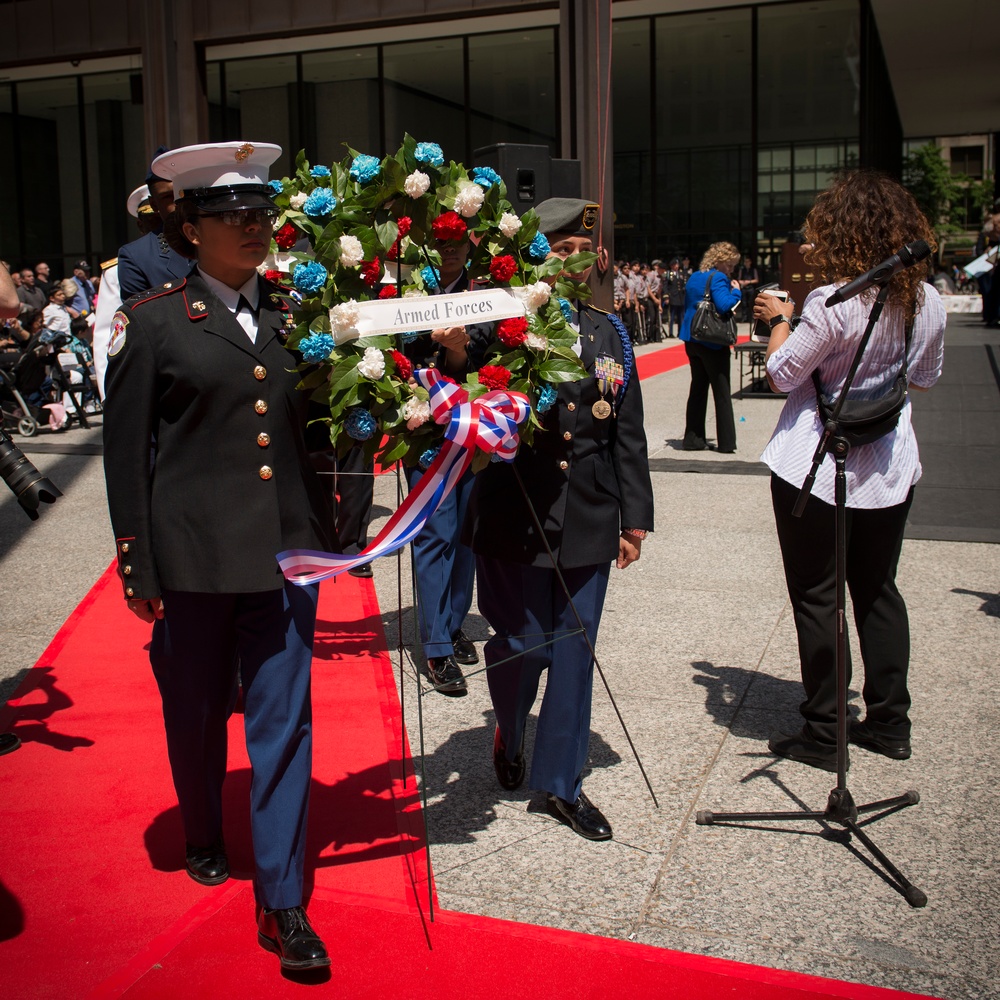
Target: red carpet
[[94, 902]]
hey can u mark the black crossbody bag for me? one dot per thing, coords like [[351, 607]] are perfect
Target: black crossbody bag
[[863, 421]]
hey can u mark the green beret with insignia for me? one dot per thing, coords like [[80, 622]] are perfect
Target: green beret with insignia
[[575, 216]]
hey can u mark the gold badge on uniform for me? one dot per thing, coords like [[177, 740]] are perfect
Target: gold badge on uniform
[[117, 341], [590, 214], [198, 306], [244, 152]]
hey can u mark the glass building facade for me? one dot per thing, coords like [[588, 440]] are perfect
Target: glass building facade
[[719, 131]]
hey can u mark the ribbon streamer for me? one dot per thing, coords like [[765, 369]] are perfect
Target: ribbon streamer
[[488, 422]]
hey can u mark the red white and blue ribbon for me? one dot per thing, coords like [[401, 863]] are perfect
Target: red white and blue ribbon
[[488, 422]]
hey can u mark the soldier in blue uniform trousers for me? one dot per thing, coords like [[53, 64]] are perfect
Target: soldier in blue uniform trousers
[[200, 365], [587, 476]]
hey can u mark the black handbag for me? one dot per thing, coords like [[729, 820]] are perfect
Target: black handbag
[[862, 421], [707, 326]]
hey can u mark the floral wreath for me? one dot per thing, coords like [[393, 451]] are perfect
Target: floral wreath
[[371, 225]]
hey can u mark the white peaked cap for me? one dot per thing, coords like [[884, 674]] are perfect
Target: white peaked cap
[[216, 165]]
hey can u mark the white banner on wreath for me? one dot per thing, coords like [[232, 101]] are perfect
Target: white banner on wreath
[[417, 314]]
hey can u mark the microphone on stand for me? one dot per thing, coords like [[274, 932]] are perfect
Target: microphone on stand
[[903, 258]]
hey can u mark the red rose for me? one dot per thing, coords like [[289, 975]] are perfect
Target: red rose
[[388, 292], [494, 376], [404, 222], [371, 271], [273, 276], [512, 332], [449, 226], [404, 367], [503, 268], [287, 236]]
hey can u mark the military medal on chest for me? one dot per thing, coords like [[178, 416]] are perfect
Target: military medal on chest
[[610, 374]]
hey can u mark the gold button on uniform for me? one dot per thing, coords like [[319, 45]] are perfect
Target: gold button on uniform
[[564, 465], [129, 592], [260, 373], [571, 407], [260, 406], [266, 472], [567, 436], [127, 570], [124, 546], [263, 439]]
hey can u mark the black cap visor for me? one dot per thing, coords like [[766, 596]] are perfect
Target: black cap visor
[[231, 198]]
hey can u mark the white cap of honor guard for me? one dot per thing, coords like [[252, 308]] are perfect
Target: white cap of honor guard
[[136, 198], [220, 176]]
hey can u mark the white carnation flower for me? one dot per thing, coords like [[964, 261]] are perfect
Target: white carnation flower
[[469, 198], [345, 316], [297, 201], [414, 293], [417, 184], [415, 407], [372, 365], [538, 342], [533, 296], [509, 223], [351, 251]]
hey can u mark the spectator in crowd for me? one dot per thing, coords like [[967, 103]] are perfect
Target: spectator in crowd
[[673, 287], [989, 281], [640, 296], [31, 296], [59, 315], [710, 362], [587, 477], [42, 278], [654, 285], [748, 278], [620, 289], [83, 301], [853, 226]]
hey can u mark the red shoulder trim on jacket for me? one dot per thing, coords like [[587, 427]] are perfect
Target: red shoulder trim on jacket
[[168, 288]]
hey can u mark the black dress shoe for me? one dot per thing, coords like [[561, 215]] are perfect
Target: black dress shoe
[[694, 443], [364, 571], [860, 735], [583, 816], [510, 773], [465, 651], [446, 675], [207, 865], [8, 743], [290, 936], [803, 748]]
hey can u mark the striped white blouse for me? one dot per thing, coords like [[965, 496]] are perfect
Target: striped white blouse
[[879, 474]]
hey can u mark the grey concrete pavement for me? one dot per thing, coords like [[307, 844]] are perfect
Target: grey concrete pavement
[[699, 650]]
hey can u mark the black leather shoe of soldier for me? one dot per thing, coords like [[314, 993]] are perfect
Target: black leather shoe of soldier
[[803, 748], [446, 675], [207, 865], [583, 816], [860, 735], [8, 743], [510, 773], [290, 936], [465, 651], [364, 571]]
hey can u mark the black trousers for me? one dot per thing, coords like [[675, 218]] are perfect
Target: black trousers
[[355, 490], [709, 368], [809, 553]]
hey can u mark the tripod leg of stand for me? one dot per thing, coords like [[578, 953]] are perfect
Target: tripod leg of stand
[[705, 817], [914, 896]]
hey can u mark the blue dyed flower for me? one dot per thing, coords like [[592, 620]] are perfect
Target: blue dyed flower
[[316, 347], [427, 458], [360, 424], [546, 398], [275, 187], [320, 171], [365, 168], [321, 202], [309, 277], [539, 248], [430, 153], [429, 274], [566, 309], [486, 177]]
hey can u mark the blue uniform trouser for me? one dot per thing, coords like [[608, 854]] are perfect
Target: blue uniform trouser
[[529, 612], [194, 652], [445, 569]]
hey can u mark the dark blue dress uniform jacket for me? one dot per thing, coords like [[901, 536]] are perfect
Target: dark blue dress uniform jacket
[[587, 478], [147, 263], [231, 484]]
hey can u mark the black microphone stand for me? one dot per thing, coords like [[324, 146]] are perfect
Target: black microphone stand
[[840, 807]]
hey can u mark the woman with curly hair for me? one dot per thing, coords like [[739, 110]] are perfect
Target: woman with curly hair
[[710, 362], [862, 219]]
